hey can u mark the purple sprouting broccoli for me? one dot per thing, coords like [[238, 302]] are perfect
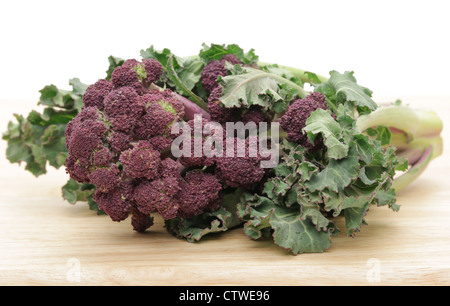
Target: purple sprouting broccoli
[[294, 120], [231, 58], [199, 192], [218, 112], [215, 68], [170, 168], [161, 110], [148, 71], [106, 178], [158, 196], [88, 121], [240, 165], [197, 139], [124, 108], [76, 170], [138, 75], [119, 141], [140, 221], [124, 76], [210, 73], [113, 203], [83, 138], [254, 114], [95, 94], [102, 157], [153, 71], [141, 161]]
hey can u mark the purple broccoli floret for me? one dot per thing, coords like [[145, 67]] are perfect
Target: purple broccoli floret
[[199, 192], [154, 70], [160, 143], [82, 145], [96, 93], [124, 108], [231, 58], [138, 75], [170, 168], [215, 68], [105, 179], [124, 76], [162, 109], [141, 161], [102, 157], [243, 169], [119, 141], [254, 114], [84, 135], [294, 120], [197, 139], [157, 196], [218, 112], [140, 221], [76, 171], [88, 121], [113, 204], [210, 73]]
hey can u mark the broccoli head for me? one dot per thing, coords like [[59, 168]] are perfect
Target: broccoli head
[[218, 112], [119, 141], [197, 140], [105, 178], [95, 94], [294, 120], [161, 110], [254, 114], [140, 221], [215, 68], [141, 161], [115, 142], [113, 204], [158, 196], [242, 166], [124, 108], [199, 192]]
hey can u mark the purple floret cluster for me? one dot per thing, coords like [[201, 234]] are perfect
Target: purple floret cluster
[[294, 120], [121, 143], [215, 68]]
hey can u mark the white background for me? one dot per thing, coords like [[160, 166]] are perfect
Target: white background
[[396, 48]]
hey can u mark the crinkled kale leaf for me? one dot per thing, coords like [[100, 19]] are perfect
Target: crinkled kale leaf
[[309, 188], [39, 137]]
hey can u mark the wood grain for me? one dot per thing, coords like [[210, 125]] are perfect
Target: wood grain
[[46, 241]]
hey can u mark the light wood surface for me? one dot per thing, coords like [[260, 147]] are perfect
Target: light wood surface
[[46, 241]]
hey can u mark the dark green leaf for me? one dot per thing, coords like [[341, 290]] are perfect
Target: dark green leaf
[[321, 121], [343, 87], [337, 174], [193, 229], [297, 235]]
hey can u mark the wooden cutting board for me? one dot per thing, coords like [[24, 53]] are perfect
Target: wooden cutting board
[[46, 241]]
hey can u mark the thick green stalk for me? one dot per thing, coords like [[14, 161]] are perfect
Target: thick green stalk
[[416, 137], [415, 171]]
